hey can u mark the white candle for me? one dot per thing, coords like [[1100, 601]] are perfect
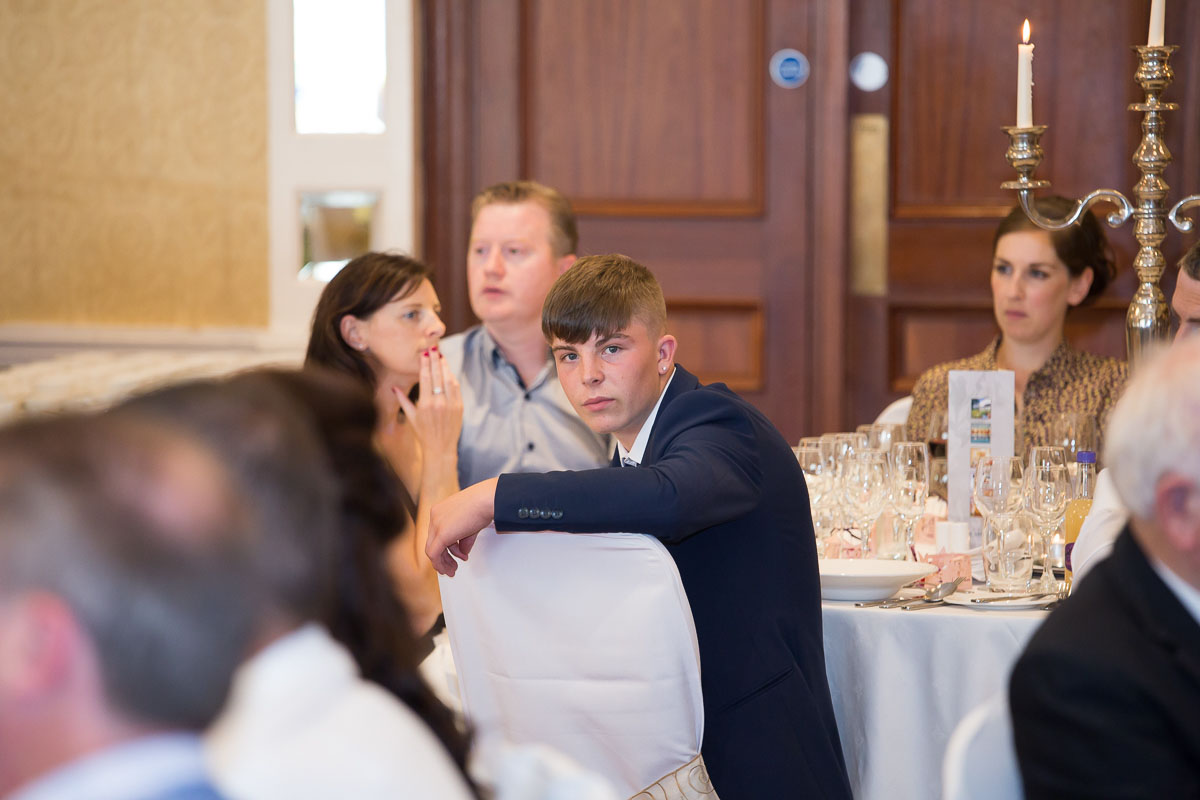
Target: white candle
[[1025, 81], [1157, 8]]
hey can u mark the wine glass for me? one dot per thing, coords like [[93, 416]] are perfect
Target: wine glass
[[815, 472], [866, 491], [1049, 491], [938, 432], [909, 462], [998, 485], [1073, 431], [939, 477]]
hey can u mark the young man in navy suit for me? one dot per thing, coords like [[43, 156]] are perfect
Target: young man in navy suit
[[709, 476]]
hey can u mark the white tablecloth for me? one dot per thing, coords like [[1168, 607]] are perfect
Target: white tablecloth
[[902, 680]]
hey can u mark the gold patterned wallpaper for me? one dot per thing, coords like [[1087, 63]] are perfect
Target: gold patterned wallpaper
[[133, 169]]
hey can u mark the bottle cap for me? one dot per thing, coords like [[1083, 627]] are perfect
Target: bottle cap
[[1085, 457]]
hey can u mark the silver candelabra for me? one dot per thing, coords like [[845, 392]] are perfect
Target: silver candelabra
[[1146, 322]]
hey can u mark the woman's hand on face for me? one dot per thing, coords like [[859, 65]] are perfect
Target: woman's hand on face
[[437, 415]]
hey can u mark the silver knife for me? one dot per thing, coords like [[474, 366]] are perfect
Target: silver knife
[[1001, 597], [921, 603]]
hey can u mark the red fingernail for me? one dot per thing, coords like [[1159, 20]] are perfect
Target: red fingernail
[[426, 354]]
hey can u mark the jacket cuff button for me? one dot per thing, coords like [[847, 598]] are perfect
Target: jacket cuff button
[[522, 513]]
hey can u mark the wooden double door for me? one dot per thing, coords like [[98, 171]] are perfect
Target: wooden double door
[[659, 120]]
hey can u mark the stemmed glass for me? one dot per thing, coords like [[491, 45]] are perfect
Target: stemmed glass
[[1073, 432], [819, 479], [1049, 491], [909, 462], [998, 485], [865, 489]]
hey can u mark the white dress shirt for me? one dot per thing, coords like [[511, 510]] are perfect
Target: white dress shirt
[[508, 426], [301, 723], [634, 455], [1100, 528]]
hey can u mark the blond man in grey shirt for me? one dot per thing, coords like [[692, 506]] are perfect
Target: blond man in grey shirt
[[515, 415]]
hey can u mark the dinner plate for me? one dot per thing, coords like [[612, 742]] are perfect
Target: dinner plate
[[867, 578], [1020, 604]]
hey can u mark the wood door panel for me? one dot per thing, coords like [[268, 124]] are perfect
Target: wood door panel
[[656, 119], [636, 108], [957, 85]]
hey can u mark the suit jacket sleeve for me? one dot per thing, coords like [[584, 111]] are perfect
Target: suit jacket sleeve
[[706, 470]]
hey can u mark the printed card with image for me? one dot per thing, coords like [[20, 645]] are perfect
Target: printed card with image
[[980, 423]]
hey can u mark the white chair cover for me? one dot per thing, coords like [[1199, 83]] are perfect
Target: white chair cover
[[896, 413], [583, 642], [981, 761]]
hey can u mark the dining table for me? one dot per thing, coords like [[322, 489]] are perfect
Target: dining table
[[901, 681]]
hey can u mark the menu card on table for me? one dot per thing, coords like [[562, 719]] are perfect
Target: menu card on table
[[979, 414]]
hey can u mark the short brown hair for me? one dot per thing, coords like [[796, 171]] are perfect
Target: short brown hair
[[600, 295], [1190, 263], [564, 234], [1079, 246]]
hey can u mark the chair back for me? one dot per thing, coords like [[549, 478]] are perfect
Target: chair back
[[583, 642], [981, 761], [896, 412]]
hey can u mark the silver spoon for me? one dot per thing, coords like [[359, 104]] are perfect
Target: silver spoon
[[934, 595]]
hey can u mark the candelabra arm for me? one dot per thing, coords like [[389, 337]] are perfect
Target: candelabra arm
[[1184, 224], [1115, 219]]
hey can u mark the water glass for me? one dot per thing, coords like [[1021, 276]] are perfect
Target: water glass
[[1010, 542], [891, 538]]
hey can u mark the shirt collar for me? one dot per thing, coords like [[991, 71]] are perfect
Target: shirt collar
[[492, 350], [638, 451]]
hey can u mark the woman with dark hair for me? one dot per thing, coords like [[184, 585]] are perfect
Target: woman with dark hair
[[365, 614], [1037, 276], [377, 321]]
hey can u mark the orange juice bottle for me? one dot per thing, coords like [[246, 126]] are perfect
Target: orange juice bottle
[[1081, 502]]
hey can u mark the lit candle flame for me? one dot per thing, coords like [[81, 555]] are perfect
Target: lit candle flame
[[1025, 32]]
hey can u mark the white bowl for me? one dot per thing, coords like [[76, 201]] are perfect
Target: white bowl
[[867, 578]]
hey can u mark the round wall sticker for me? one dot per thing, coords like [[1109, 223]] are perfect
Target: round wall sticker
[[789, 68], [868, 71]]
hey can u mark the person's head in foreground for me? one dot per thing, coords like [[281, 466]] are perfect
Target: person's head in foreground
[[1185, 302], [523, 236], [126, 598], [1153, 449], [375, 319], [1037, 275], [270, 446], [606, 322]]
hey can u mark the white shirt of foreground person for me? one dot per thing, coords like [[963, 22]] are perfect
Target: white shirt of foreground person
[[153, 766], [302, 724], [1100, 528]]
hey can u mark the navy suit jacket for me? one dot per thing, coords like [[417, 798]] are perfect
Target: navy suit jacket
[[1106, 697], [720, 487]]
